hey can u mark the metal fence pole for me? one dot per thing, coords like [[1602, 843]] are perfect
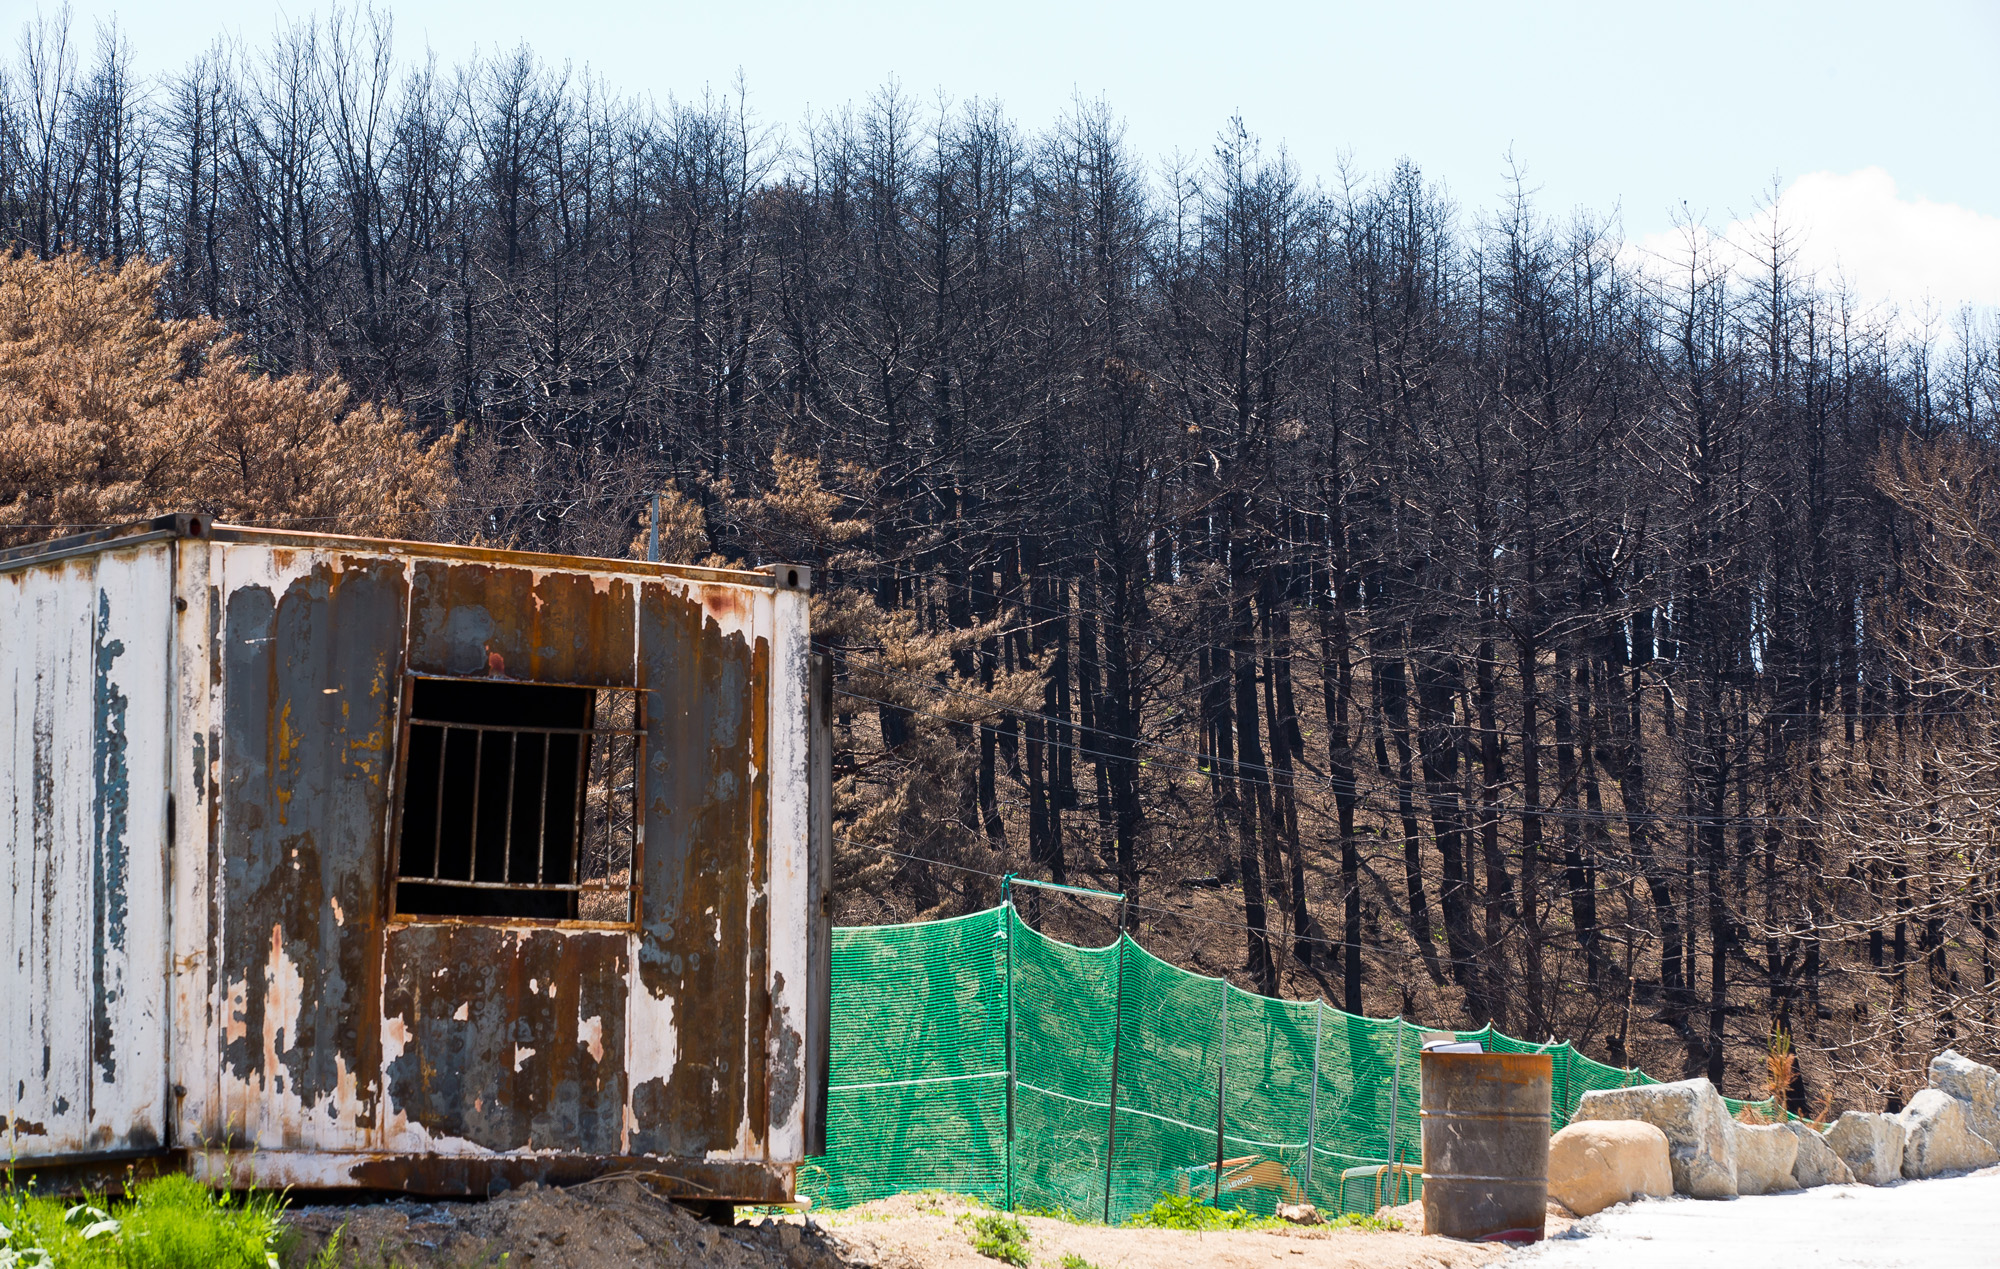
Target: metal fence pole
[[1117, 1028], [1312, 1106], [1007, 933]]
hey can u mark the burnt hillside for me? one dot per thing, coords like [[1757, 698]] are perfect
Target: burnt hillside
[[1447, 609]]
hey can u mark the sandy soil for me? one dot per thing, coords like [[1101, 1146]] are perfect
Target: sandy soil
[[931, 1231]]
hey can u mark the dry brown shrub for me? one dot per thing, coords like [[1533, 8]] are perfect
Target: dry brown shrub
[[109, 413]]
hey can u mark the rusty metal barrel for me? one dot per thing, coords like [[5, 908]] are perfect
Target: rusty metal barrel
[[1486, 1145]]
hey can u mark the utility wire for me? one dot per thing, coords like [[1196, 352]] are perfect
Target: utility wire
[[1133, 904], [1472, 813]]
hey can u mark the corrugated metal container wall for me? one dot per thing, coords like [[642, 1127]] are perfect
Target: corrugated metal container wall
[[351, 1003], [83, 682]]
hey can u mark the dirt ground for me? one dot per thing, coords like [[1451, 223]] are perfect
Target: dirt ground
[[615, 1223], [930, 1231], [620, 1222]]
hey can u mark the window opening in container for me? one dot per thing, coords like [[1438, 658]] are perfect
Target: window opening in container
[[518, 801]]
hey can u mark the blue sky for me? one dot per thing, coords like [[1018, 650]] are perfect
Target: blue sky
[[1892, 109]]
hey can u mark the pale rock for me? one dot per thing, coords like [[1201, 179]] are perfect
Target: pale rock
[[1937, 1138], [1764, 1156], [1870, 1145], [1410, 1216], [1701, 1148], [1299, 1213], [1816, 1163], [1976, 1085], [1595, 1164]]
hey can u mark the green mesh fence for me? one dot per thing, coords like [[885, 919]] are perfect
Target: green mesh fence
[[979, 1056]]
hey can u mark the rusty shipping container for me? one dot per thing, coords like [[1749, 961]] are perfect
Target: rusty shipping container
[[339, 862]]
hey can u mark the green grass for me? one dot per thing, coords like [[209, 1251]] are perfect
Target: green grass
[[1002, 1238], [169, 1222], [1071, 1260], [1181, 1211]]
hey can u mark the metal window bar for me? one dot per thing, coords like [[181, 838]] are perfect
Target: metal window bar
[[602, 849]]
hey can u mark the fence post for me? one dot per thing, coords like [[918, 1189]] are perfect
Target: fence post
[[1312, 1106], [1007, 933], [1221, 1092], [1117, 1029]]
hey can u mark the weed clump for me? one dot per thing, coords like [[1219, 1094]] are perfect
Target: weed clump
[[1071, 1260], [1182, 1211], [1001, 1238], [169, 1222]]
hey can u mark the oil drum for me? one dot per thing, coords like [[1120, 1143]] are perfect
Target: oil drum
[[1486, 1144]]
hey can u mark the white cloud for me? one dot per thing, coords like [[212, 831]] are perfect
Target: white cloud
[[1905, 252]]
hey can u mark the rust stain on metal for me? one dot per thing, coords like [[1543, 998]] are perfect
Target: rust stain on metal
[[476, 1176], [726, 604], [331, 1041], [705, 860], [547, 627], [515, 1038], [305, 805]]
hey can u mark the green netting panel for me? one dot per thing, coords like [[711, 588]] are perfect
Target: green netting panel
[[1064, 1003], [1767, 1107], [1316, 1103], [1588, 1076], [1359, 1096], [919, 1063], [1268, 1096], [1168, 1052]]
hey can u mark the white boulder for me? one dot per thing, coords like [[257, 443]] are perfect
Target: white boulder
[[1973, 1083], [1870, 1145], [1816, 1163], [1701, 1147], [1937, 1138], [1764, 1156]]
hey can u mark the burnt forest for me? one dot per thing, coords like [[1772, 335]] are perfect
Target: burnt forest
[[1428, 599]]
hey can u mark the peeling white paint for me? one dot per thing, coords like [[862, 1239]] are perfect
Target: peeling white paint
[[790, 882], [172, 1022], [652, 1041], [84, 1047]]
